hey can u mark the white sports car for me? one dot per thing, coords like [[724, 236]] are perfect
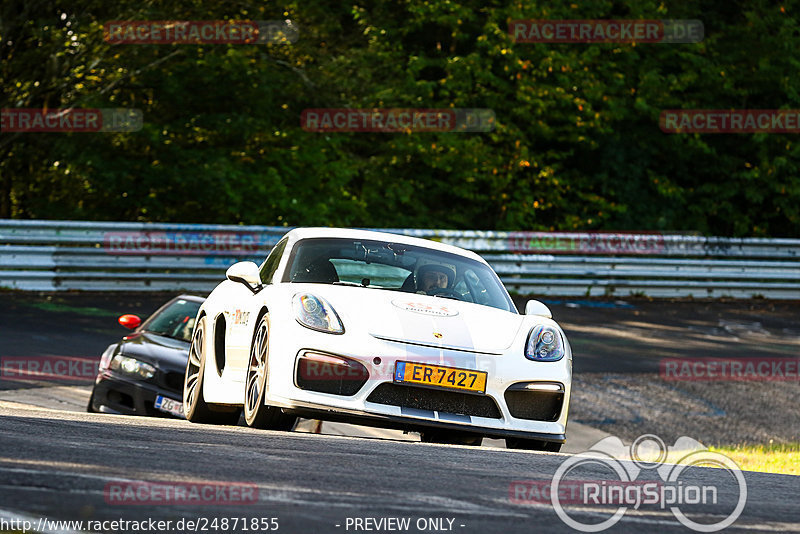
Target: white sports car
[[378, 329]]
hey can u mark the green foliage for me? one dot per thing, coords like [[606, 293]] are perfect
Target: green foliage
[[577, 144]]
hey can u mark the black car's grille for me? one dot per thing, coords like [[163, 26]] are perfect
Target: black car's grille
[[120, 398], [173, 381], [435, 400], [534, 405]]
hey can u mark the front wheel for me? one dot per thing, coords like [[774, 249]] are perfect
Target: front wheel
[[532, 445], [256, 413], [195, 408]]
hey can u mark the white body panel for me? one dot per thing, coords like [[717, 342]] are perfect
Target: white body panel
[[378, 324]]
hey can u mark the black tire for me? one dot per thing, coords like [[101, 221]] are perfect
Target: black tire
[[451, 437], [90, 406], [195, 408], [532, 445], [256, 413]]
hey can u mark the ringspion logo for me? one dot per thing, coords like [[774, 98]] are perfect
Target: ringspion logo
[[606, 31], [238, 32], [669, 482], [34, 120], [398, 120]]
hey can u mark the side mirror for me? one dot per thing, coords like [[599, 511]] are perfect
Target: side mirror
[[534, 307], [245, 272], [130, 321]]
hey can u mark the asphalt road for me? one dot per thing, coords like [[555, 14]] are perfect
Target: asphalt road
[[62, 465]]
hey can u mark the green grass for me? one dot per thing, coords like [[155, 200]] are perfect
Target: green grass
[[51, 306], [783, 458]]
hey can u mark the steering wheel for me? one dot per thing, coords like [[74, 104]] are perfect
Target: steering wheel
[[443, 292]]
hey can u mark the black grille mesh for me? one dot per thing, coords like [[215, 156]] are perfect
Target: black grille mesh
[[435, 400]]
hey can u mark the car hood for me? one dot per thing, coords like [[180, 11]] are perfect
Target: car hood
[[421, 319], [163, 351]]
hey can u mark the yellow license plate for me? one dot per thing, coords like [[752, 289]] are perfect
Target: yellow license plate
[[441, 377]]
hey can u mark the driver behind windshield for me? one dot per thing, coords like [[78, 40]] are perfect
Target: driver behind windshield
[[433, 277]]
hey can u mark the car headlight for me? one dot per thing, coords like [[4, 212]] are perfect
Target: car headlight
[[316, 313], [132, 366], [544, 344]]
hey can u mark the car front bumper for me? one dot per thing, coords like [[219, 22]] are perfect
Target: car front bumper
[[117, 395], [379, 357]]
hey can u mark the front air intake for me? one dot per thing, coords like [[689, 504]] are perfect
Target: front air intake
[[326, 373], [535, 401]]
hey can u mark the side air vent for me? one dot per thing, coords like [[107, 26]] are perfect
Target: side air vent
[[219, 343]]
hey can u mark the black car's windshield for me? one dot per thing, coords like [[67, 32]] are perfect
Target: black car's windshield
[[176, 320], [398, 267]]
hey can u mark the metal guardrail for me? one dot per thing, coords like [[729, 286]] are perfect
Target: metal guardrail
[[105, 256]]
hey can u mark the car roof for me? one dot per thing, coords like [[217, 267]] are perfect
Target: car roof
[[350, 233]]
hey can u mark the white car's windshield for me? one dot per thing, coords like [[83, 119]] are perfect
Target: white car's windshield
[[398, 267]]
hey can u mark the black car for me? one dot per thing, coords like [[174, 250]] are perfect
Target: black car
[[143, 373]]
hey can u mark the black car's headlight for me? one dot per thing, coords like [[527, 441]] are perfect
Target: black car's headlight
[[545, 345], [316, 313], [105, 358], [131, 367]]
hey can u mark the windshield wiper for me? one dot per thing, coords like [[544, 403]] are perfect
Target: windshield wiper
[[343, 283]]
